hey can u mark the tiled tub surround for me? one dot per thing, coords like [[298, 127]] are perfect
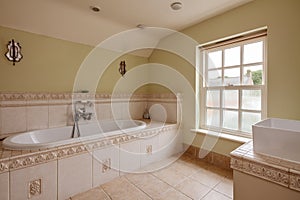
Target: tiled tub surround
[[21, 112], [281, 177], [59, 173]]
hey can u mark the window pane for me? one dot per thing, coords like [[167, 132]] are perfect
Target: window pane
[[214, 59], [231, 99], [213, 98], [230, 119], [248, 119], [232, 56], [213, 117], [232, 76], [214, 78], [253, 75], [253, 52], [251, 99]]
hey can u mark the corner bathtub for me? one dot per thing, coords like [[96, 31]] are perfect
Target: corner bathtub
[[47, 138]]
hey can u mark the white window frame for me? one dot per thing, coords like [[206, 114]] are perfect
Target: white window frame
[[201, 89]]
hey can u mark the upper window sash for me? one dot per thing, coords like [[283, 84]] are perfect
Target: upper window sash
[[220, 70]]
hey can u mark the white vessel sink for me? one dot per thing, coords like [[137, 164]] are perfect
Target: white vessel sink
[[278, 138]]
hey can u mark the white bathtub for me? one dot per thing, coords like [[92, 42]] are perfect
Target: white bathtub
[[40, 139]]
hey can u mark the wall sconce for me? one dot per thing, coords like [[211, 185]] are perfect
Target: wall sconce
[[14, 52], [122, 68]]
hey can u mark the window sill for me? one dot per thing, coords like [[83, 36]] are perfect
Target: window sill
[[222, 135]]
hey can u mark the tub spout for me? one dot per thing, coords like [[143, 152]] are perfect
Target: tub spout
[[75, 126]]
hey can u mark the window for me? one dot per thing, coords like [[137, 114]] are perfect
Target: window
[[233, 85]]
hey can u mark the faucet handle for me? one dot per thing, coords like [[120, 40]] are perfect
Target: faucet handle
[[89, 117], [81, 110], [89, 103]]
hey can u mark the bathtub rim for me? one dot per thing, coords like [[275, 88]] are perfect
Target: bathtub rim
[[9, 145]]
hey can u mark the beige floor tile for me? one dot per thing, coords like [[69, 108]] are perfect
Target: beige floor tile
[[207, 177], [139, 179], [173, 194], [213, 195], [170, 176], [149, 184], [156, 166], [122, 189], [193, 189], [191, 180], [225, 187], [93, 194], [185, 168]]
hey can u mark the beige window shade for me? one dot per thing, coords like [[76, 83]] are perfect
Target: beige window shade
[[234, 39]]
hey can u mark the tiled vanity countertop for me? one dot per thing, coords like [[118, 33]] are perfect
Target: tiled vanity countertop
[[279, 171], [17, 159]]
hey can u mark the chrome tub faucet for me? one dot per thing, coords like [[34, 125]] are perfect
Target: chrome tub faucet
[[80, 109]]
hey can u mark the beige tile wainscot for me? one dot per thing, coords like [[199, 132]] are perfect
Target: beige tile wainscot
[[20, 112]]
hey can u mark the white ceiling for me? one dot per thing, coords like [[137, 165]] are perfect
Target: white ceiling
[[72, 20]]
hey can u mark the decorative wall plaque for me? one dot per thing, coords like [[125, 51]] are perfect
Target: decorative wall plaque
[[14, 52]]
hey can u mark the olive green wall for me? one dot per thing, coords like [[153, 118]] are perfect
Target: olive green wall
[[176, 62], [112, 75], [50, 65], [283, 46]]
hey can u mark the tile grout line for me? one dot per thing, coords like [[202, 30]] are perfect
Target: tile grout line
[[220, 191], [174, 187], [222, 194], [137, 187], [105, 192], [170, 186], [211, 189]]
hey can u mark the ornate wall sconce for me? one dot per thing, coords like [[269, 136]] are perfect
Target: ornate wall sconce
[[122, 68], [14, 52]]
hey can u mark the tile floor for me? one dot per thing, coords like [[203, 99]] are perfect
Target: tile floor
[[184, 179]]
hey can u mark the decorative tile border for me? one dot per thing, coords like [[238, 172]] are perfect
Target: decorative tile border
[[36, 99], [4, 165], [236, 163], [15, 96], [70, 150], [274, 175], [294, 180], [43, 156], [26, 160], [243, 159]]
